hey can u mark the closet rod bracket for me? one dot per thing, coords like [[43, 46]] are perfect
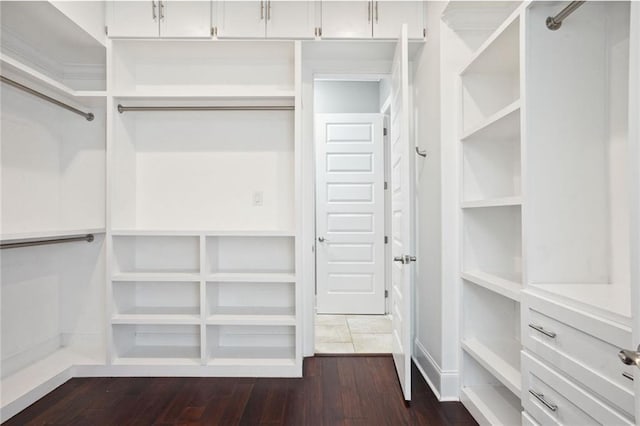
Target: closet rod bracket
[[555, 22]]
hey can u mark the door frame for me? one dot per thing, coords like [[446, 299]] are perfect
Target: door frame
[[321, 61], [384, 111]]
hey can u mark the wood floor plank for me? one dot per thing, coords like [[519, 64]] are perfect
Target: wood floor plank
[[348, 391]]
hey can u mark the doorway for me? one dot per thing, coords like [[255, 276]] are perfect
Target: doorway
[[351, 210]]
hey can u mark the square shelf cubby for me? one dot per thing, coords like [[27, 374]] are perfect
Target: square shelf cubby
[[491, 165], [250, 258], [492, 242], [156, 344], [491, 81], [156, 257], [260, 345], [251, 303], [147, 301]]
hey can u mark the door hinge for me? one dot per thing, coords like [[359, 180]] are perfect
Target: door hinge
[[384, 131], [386, 294], [212, 31], [386, 185], [424, 32], [386, 239], [320, 31], [106, 30]]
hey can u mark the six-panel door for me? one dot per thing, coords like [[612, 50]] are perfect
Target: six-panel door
[[350, 251]]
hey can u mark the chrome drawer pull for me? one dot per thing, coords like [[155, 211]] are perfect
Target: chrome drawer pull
[[541, 329], [627, 376], [540, 397]]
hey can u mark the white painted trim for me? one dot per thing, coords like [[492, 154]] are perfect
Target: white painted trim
[[447, 382]]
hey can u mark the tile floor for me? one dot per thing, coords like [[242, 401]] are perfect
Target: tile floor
[[340, 334]]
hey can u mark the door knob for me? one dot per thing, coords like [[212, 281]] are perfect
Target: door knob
[[408, 259], [399, 259], [630, 357], [322, 240]]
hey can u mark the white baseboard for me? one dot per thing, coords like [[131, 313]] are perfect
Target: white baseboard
[[445, 384]]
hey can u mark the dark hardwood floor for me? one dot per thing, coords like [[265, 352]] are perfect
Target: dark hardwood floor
[[334, 391]]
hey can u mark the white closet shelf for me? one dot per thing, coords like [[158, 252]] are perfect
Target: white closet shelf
[[501, 357], [160, 355], [501, 126], [44, 373], [241, 315], [253, 277], [157, 276], [493, 404], [493, 54], [502, 286], [206, 94], [49, 234], [199, 232], [127, 360], [242, 355], [53, 87], [158, 315], [492, 202], [610, 301]]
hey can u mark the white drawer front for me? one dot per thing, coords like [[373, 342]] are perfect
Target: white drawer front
[[583, 346], [568, 404]]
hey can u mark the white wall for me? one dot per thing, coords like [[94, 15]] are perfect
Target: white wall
[[343, 97]]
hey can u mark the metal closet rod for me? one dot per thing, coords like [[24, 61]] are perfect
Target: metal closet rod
[[88, 115], [555, 22], [122, 108], [41, 242]]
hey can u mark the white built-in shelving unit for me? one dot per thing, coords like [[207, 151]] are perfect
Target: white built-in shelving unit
[[544, 189], [203, 224], [53, 180], [491, 237]]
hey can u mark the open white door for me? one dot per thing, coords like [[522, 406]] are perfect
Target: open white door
[[350, 214], [634, 143], [402, 189]]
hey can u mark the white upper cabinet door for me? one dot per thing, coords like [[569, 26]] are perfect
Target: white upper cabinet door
[[291, 19], [388, 17], [133, 18], [180, 18], [241, 19], [347, 19]]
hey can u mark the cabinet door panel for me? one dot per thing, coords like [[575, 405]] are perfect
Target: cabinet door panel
[[388, 17], [133, 18], [185, 18], [347, 19], [241, 19], [291, 19]]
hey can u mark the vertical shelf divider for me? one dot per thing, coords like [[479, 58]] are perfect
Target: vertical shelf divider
[[203, 299]]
